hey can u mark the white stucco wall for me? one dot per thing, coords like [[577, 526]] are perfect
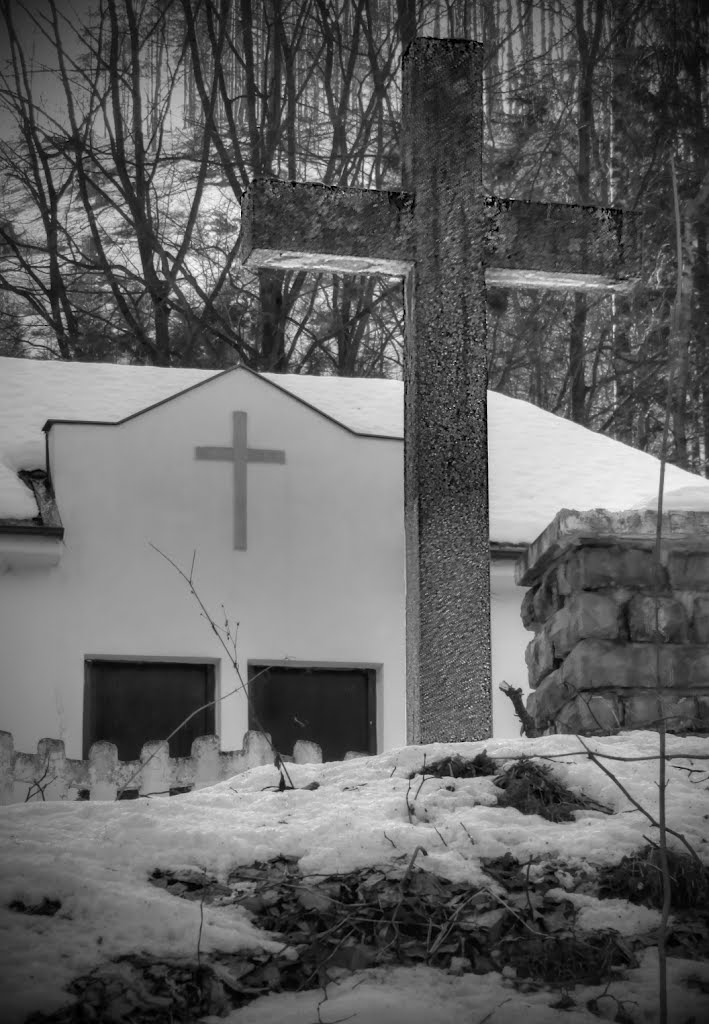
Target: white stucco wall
[[322, 580], [509, 639]]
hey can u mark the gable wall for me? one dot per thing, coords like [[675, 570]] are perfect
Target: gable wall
[[322, 579]]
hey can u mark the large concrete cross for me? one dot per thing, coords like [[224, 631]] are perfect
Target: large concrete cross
[[445, 238]]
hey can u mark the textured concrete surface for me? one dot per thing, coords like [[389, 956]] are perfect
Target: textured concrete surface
[[641, 711], [444, 228], [586, 615], [689, 571], [601, 664], [549, 697], [657, 618], [590, 714], [558, 239], [539, 657], [699, 633], [290, 225], [594, 568], [682, 531], [445, 447], [282, 216]]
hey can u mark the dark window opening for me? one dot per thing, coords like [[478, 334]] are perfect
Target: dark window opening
[[130, 703], [330, 706]]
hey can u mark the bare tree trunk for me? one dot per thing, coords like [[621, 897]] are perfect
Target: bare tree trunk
[[623, 32], [700, 328], [273, 335], [252, 112], [406, 21], [588, 40]]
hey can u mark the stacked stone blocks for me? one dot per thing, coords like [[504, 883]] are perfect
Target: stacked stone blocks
[[609, 620]]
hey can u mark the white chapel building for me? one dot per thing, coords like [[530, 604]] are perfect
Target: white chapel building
[[283, 497]]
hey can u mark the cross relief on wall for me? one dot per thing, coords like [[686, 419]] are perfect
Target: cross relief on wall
[[239, 454]]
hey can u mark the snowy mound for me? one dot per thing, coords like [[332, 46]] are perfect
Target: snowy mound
[[78, 892]]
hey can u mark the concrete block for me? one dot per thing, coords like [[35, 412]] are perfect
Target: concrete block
[[527, 613], [688, 571], [602, 664], [586, 615], [681, 713], [703, 712], [531, 704], [547, 599], [699, 630], [685, 666], [591, 568], [641, 711], [653, 618], [539, 657], [589, 715], [551, 695]]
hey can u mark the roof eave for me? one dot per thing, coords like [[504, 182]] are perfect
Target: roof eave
[[501, 551], [26, 547], [29, 528]]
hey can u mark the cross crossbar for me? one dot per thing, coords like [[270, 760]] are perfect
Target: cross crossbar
[[294, 226], [215, 453]]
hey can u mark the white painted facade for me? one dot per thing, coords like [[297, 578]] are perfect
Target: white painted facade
[[322, 580]]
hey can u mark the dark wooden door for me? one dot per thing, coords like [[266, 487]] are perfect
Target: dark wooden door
[[332, 707], [132, 702]]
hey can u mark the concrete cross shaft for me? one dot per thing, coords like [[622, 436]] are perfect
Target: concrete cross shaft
[[445, 238]]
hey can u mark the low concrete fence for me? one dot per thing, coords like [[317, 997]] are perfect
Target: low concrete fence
[[611, 623], [50, 775]]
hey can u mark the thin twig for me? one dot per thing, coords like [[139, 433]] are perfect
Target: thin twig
[[662, 729], [593, 757], [189, 580], [137, 772], [512, 911], [407, 874]]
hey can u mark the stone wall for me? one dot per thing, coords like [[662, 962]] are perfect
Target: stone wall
[[609, 620]]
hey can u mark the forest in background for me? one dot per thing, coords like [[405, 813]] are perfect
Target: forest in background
[[132, 128]]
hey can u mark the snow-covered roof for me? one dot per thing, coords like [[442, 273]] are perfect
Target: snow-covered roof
[[539, 462]]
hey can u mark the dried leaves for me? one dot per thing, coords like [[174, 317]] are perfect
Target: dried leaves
[[533, 789], [458, 767], [638, 878], [398, 915]]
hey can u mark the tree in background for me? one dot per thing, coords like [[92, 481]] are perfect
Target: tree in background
[[119, 233]]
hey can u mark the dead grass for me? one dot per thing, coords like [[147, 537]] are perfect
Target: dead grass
[[533, 789]]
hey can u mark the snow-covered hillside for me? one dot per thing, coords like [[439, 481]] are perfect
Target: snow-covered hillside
[[126, 906]]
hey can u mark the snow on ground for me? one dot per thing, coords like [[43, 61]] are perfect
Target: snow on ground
[[96, 858], [539, 463]]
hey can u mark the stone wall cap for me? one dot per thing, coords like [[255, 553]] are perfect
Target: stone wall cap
[[681, 531]]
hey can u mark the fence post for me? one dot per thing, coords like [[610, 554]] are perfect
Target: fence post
[[51, 770], [205, 761], [257, 749], [7, 774], [103, 765], [307, 752], [155, 776]]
